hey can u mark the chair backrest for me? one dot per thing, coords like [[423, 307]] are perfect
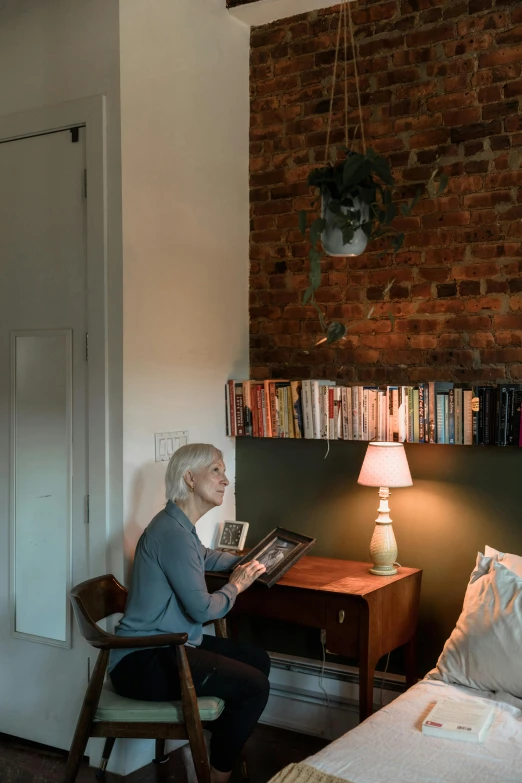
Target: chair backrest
[[94, 600]]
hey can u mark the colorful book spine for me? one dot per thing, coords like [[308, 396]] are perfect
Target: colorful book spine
[[247, 408], [232, 406], [467, 415], [308, 425], [441, 418], [459, 394], [416, 414], [355, 413], [421, 413], [432, 402], [451, 417], [297, 408]]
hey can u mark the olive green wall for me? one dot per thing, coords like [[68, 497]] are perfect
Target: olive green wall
[[462, 498]]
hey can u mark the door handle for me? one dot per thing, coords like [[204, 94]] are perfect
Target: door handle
[[341, 615]]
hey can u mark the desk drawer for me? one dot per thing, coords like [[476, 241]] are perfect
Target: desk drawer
[[342, 625], [294, 605]]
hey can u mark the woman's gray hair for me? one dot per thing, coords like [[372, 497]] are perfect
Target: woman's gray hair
[[193, 457]]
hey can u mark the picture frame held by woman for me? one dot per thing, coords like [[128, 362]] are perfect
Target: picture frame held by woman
[[278, 552]]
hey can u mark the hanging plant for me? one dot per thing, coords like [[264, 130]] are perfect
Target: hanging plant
[[358, 200]]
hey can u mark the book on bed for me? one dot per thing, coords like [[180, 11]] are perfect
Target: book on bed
[[467, 721]]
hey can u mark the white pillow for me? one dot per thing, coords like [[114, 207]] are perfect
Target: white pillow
[[513, 562], [484, 649]]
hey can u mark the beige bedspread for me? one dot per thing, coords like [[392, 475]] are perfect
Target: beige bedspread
[[302, 773]]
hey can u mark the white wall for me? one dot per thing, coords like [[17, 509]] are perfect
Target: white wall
[[53, 51], [185, 115]]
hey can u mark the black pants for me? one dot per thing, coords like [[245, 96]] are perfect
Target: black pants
[[233, 671]]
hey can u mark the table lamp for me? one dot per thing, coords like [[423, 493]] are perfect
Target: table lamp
[[385, 465]]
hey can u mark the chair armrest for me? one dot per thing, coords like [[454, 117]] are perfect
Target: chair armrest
[[107, 641]]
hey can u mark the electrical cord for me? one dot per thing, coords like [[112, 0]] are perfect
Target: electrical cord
[[321, 685], [383, 679]]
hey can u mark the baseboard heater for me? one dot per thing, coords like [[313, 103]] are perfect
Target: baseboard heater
[[332, 671]]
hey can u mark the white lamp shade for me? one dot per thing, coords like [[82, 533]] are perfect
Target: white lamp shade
[[385, 465]]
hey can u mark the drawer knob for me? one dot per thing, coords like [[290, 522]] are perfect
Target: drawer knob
[[341, 615]]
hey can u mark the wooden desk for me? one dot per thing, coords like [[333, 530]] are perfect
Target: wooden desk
[[365, 616]]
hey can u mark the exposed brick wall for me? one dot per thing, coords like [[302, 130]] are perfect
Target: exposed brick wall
[[439, 79]]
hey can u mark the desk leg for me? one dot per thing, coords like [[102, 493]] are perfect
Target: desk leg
[[366, 675], [410, 649]]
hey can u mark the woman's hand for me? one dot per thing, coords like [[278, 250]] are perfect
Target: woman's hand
[[243, 576]]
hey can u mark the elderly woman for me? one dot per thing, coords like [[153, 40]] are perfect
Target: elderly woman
[[168, 594]]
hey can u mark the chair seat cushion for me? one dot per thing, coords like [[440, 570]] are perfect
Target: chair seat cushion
[[113, 707]]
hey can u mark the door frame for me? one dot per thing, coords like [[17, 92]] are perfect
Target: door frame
[[89, 113]]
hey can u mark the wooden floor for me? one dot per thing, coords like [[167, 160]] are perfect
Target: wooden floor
[[267, 751]]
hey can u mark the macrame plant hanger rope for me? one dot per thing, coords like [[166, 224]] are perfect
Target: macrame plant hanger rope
[[345, 14]]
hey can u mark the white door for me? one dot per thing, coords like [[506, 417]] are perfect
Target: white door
[[43, 433]]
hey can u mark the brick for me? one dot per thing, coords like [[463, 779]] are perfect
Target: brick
[[496, 286], [468, 323], [435, 274], [470, 184], [469, 288], [461, 117], [483, 200], [507, 322], [501, 56], [514, 35], [428, 37], [421, 291], [440, 306], [475, 43], [481, 340], [430, 138], [501, 355], [508, 338], [446, 289], [513, 88], [476, 167], [474, 271], [452, 101], [439, 219], [494, 110], [490, 94], [507, 179], [483, 303], [418, 325], [479, 130]]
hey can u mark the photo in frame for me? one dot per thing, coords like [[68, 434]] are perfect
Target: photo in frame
[[278, 551], [232, 535]]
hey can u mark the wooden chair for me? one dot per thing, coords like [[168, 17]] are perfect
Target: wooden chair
[[106, 714]]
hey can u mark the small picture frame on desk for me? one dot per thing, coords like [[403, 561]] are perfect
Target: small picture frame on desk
[[278, 552], [232, 535]]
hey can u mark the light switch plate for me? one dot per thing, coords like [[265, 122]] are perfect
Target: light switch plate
[[169, 442]]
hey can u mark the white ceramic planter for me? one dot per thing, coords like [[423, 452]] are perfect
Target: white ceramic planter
[[332, 237]]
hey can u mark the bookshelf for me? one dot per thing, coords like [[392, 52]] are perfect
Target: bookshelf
[[429, 413]]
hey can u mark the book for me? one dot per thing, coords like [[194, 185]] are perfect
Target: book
[[355, 413], [316, 387], [458, 416], [416, 414], [231, 404], [517, 416], [306, 399], [422, 413], [393, 413], [441, 414], [461, 720], [247, 407], [238, 400], [467, 415], [296, 388], [432, 402]]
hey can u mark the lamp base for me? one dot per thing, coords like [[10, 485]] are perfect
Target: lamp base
[[383, 547], [383, 570]]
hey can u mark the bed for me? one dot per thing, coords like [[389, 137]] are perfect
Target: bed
[[389, 747]]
